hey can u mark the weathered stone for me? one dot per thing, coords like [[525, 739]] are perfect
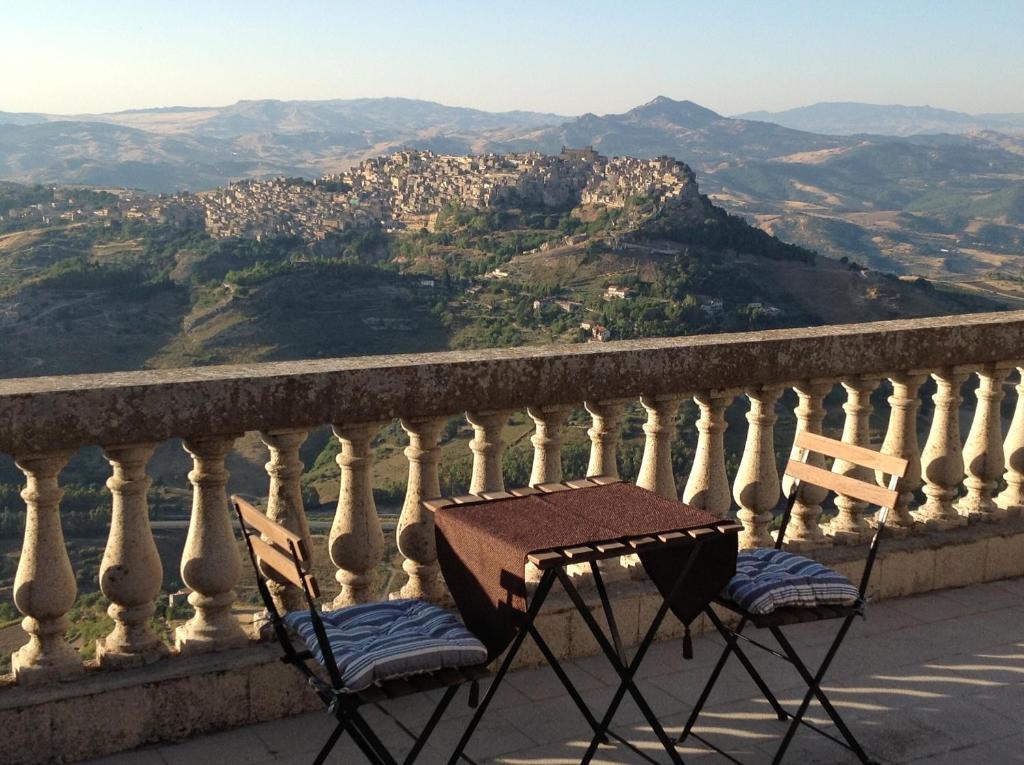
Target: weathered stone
[[416, 524], [284, 505], [850, 526], [547, 443], [656, 467], [983, 450], [756, 489], [131, 573], [50, 413], [804, 531], [958, 565], [707, 486], [210, 563], [901, 441], [44, 584], [604, 435], [356, 540], [488, 449], [1004, 558], [942, 462]]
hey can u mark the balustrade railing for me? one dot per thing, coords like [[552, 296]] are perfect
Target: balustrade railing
[[44, 420]]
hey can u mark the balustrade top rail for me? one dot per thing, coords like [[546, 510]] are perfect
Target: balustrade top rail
[[48, 413]]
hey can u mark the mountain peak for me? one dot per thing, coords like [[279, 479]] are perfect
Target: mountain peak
[[685, 113]]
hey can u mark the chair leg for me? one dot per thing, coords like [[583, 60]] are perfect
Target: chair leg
[[814, 691], [329, 744], [359, 726], [435, 718], [731, 638]]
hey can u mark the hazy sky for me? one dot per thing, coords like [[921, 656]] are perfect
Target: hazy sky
[[566, 57]]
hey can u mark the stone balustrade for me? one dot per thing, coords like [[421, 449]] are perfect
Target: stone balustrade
[[44, 420]]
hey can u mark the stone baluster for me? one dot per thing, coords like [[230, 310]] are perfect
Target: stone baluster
[[901, 441], [707, 486], [547, 442], [416, 525], [1011, 499], [356, 541], [210, 562], [488, 450], [284, 505], [44, 585], [131, 573], [756, 489], [604, 435], [656, 465], [804, 531], [942, 463], [983, 450], [850, 525]]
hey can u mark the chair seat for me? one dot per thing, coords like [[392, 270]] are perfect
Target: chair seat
[[769, 579], [376, 642]]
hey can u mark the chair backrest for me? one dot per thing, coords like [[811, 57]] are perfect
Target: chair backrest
[[284, 559], [884, 497], [282, 552]]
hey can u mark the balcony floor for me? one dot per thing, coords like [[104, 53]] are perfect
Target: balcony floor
[[937, 678]]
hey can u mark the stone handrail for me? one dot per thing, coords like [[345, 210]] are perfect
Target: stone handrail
[[43, 420]]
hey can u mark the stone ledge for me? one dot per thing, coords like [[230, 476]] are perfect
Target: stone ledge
[[55, 413], [107, 712]]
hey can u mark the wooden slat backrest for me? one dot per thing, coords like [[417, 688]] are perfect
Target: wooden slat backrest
[[841, 484], [272, 530], [858, 455], [283, 565]]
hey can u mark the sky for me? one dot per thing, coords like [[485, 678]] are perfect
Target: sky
[[554, 56]]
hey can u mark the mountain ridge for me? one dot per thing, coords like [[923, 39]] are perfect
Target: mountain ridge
[[855, 117]]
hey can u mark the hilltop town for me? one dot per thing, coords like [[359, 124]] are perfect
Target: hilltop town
[[408, 188]]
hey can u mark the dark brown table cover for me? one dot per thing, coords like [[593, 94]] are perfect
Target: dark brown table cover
[[482, 549]]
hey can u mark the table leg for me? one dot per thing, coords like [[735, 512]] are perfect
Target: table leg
[[539, 596], [626, 674]]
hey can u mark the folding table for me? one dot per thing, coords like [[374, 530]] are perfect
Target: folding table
[[484, 543]]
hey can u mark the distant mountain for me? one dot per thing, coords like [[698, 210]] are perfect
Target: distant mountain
[[681, 129], [168, 149], [96, 154], [943, 200], [360, 115], [851, 118]]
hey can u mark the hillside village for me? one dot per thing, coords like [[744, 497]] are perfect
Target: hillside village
[[401, 190], [405, 189]]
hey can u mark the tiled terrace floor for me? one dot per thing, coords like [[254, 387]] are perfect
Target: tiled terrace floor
[[937, 678]]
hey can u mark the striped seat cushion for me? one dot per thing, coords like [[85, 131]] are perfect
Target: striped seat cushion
[[768, 579], [379, 641]]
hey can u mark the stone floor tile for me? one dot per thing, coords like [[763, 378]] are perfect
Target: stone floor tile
[[239, 745], [541, 683], [138, 757], [494, 736]]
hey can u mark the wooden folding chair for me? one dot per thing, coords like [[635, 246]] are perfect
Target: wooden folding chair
[[833, 601], [284, 556]]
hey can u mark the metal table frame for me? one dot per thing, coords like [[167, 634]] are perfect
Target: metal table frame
[[552, 565]]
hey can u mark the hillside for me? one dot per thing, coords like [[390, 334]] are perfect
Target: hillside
[[414, 251], [941, 205]]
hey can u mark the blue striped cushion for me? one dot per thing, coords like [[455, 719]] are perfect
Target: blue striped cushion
[[378, 641], [767, 579]]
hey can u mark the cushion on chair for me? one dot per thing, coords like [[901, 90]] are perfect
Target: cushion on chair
[[767, 579], [379, 641]]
